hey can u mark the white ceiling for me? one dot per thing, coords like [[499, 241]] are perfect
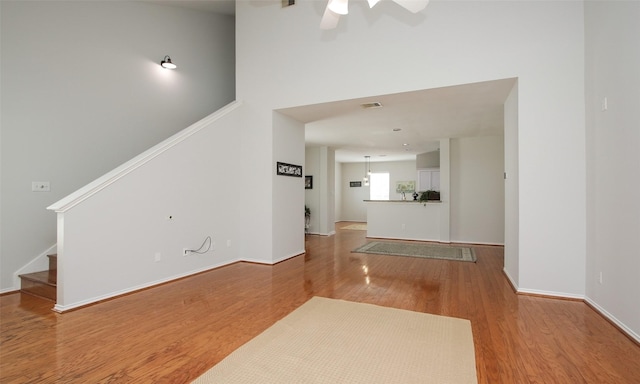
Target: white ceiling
[[423, 118]]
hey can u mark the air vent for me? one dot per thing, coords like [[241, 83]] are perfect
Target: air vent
[[371, 105]]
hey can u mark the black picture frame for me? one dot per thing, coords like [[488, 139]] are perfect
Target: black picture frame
[[308, 182], [355, 184], [285, 169]]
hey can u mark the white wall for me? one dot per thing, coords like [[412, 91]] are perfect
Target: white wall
[[511, 191], [288, 134], [477, 190], [613, 160], [285, 60], [398, 171], [353, 208], [338, 191], [312, 165], [321, 199], [82, 92], [131, 231]]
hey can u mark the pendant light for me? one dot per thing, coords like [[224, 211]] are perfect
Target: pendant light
[[367, 171]]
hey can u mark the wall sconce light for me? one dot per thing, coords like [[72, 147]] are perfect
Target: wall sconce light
[[166, 63]]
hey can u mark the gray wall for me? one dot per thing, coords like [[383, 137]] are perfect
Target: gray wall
[[477, 190], [613, 160], [82, 92]]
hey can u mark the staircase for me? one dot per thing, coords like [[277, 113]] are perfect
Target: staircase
[[42, 284]]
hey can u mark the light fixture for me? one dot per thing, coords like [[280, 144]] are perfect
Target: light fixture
[[166, 63], [341, 7], [372, 3], [367, 171]]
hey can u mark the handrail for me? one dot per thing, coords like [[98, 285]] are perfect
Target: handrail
[[109, 178]]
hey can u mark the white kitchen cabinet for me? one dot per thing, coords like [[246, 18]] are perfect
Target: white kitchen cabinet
[[428, 179]]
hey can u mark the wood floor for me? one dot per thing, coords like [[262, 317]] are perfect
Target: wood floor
[[175, 332]]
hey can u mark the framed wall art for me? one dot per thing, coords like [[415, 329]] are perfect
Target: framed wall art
[[285, 169]]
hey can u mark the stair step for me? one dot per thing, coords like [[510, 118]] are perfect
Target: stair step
[[42, 284], [53, 261]]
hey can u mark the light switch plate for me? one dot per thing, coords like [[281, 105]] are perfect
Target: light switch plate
[[40, 186]]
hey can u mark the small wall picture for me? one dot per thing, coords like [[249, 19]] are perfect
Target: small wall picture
[[355, 184], [308, 182], [406, 186], [285, 169]]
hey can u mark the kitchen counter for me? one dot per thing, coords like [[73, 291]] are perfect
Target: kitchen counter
[[408, 220], [402, 201]]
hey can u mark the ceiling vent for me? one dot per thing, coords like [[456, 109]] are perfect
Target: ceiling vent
[[371, 105]]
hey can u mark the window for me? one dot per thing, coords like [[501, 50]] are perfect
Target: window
[[379, 186]]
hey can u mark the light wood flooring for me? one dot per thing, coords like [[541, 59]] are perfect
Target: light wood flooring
[[174, 332]]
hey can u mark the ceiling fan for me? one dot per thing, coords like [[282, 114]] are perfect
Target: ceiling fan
[[335, 8]]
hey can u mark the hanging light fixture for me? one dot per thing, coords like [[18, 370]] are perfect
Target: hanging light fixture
[[166, 63], [367, 171]]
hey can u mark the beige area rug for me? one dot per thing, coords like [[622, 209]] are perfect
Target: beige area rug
[[357, 227], [429, 251], [334, 341]]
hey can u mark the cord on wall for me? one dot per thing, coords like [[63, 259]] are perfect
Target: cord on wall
[[206, 242]]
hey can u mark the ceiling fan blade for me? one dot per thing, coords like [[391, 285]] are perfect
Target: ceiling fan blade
[[414, 6], [341, 7], [329, 19]]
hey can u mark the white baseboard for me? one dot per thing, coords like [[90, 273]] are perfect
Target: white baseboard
[[601, 311], [511, 280], [64, 308], [283, 258], [559, 295], [619, 324], [476, 242], [322, 234], [538, 292]]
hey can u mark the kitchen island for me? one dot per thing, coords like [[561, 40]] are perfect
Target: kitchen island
[[408, 220]]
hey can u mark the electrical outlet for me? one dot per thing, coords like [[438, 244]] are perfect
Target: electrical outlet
[[157, 257], [228, 243], [185, 251]]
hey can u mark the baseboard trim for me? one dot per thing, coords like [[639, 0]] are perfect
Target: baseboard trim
[[512, 283], [477, 243], [279, 260], [110, 296], [550, 294], [620, 326], [614, 321]]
